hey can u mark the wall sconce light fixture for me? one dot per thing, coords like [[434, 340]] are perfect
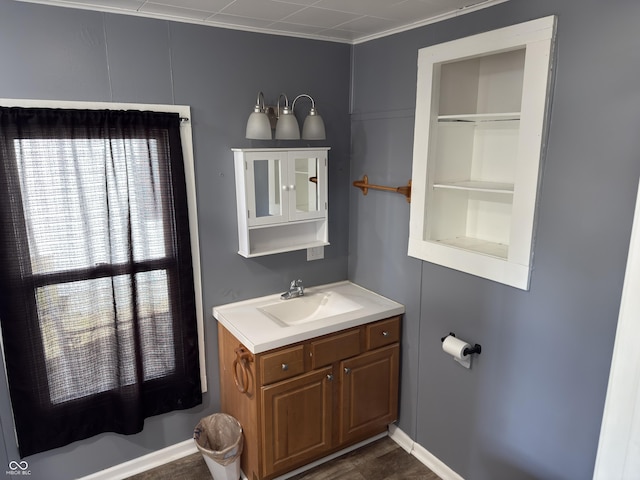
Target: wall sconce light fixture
[[258, 126], [264, 118]]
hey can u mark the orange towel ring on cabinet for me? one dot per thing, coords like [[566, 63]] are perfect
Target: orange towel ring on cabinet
[[241, 369]]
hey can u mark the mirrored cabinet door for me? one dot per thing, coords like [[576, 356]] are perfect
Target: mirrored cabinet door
[[267, 188], [306, 175]]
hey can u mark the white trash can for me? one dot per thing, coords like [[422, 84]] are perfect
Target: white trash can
[[219, 439]]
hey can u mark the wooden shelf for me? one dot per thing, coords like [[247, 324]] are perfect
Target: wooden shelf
[[477, 245], [299, 246], [477, 186], [480, 117], [292, 223]]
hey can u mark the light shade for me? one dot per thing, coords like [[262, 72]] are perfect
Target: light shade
[[258, 126], [287, 127], [313, 127]]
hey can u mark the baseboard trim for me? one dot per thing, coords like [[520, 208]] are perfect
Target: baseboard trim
[[401, 438], [146, 462], [425, 457]]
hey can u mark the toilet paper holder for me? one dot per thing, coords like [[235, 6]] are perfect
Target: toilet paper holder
[[477, 348]]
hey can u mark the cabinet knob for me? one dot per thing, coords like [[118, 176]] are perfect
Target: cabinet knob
[[385, 334], [285, 188], [285, 367], [330, 377], [347, 371], [292, 187]]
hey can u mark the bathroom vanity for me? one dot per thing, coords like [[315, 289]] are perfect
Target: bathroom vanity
[[310, 376]]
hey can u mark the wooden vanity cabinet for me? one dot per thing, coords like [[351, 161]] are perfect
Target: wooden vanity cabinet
[[301, 402]]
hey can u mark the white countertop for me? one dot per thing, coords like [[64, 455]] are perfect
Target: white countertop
[[259, 333]]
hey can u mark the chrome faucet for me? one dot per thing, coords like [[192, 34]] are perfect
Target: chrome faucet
[[295, 290]]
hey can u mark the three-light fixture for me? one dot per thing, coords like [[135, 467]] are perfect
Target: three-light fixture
[[264, 118]]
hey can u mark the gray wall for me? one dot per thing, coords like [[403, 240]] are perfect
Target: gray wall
[[68, 54], [531, 406]]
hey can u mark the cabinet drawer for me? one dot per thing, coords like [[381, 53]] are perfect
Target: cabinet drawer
[[336, 347], [383, 333], [282, 364]]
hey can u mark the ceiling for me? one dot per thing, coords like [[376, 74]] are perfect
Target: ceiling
[[346, 21]]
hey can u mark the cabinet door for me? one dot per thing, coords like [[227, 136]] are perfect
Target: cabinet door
[[296, 416], [307, 185], [369, 393], [266, 187]]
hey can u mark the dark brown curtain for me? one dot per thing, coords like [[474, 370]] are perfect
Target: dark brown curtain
[[97, 302]]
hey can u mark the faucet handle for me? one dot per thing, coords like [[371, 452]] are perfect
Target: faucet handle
[[295, 290]]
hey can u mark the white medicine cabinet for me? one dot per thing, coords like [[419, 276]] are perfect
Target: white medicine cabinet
[[281, 199], [481, 108]]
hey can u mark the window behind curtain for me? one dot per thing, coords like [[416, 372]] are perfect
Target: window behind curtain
[[97, 305]]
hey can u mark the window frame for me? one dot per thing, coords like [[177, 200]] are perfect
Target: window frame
[[184, 111]]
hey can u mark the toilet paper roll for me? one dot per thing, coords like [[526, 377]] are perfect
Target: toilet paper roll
[[455, 347]]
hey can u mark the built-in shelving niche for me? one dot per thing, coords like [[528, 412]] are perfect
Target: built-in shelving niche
[[480, 120]]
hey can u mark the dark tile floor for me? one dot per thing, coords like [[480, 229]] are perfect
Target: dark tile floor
[[380, 460]]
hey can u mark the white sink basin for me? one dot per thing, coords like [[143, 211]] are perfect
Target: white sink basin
[[264, 323], [309, 308]]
